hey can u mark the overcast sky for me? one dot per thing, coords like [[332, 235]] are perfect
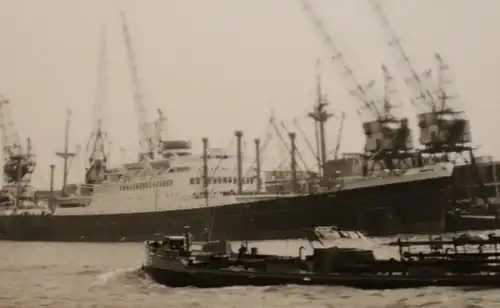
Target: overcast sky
[[220, 65]]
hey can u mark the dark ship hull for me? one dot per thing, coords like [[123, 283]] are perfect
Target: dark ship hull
[[414, 204]]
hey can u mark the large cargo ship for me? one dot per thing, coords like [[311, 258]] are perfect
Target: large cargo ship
[[163, 196]]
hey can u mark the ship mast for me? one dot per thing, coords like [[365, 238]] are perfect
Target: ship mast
[[66, 155], [320, 117]]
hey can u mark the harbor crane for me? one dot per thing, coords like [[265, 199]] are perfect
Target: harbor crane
[[19, 164], [444, 131], [383, 134], [442, 128], [98, 143]]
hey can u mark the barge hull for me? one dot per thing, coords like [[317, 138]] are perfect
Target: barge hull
[[206, 278]]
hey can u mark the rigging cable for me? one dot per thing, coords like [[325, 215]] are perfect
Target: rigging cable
[[211, 212]]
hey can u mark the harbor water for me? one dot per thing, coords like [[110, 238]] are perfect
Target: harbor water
[[106, 275]]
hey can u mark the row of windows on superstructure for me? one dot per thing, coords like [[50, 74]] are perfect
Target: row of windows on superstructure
[[221, 180], [146, 185]]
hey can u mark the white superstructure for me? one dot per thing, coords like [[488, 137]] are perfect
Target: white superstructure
[[174, 182]]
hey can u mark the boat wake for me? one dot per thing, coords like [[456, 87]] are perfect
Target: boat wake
[[133, 277]]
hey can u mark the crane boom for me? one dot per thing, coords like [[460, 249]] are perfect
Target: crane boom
[[442, 91], [145, 140], [339, 136], [98, 137], [389, 93], [11, 141], [102, 81], [414, 80], [356, 88]]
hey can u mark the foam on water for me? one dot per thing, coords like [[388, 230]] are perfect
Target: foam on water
[[126, 276]]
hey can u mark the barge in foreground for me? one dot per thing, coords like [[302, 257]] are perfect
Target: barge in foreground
[[454, 263]]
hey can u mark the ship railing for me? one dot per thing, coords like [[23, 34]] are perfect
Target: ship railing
[[457, 247], [211, 193], [81, 190], [6, 204], [145, 174]]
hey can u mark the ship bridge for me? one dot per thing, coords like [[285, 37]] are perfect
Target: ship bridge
[[172, 148]]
